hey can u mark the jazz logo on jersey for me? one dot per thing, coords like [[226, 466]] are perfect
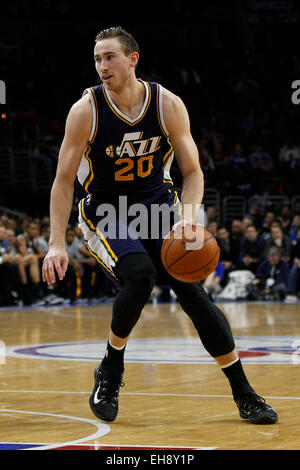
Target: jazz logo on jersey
[[133, 145], [134, 156]]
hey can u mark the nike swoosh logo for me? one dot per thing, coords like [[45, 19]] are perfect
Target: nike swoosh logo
[[96, 400]]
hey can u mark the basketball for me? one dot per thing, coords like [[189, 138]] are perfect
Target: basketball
[[192, 256]]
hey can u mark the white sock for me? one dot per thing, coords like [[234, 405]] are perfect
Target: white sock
[[118, 348], [224, 366]]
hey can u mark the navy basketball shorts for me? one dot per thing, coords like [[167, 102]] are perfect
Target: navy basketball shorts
[[113, 230]]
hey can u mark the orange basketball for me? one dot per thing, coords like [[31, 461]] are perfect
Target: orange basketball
[[191, 254]]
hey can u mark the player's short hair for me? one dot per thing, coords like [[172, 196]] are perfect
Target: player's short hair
[[127, 41]]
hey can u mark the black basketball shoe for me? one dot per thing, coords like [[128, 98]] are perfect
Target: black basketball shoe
[[254, 408], [104, 401]]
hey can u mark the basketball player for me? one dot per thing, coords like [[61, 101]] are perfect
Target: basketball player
[[119, 141]]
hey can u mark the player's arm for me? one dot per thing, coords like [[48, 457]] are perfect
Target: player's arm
[[186, 153], [77, 132]]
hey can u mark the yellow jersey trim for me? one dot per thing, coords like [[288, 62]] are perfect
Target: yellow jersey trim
[[158, 111], [99, 260], [91, 175], [97, 116], [99, 233], [122, 117]]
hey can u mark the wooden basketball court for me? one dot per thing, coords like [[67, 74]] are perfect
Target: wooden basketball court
[[174, 396]]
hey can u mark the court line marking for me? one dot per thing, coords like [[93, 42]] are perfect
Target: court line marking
[[140, 393], [117, 446], [102, 429]]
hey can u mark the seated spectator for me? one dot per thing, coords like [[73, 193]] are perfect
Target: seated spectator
[[8, 271], [11, 224], [211, 214], [229, 249], [43, 240], [213, 283], [239, 158], [294, 277], [11, 240], [68, 287], [30, 265], [247, 220], [279, 240], [286, 218], [266, 224], [260, 160], [294, 227], [252, 249], [24, 222], [212, 227], [28, 240], [88, 265], [258, 214], [237, 229], [271, 279], [4, 220]]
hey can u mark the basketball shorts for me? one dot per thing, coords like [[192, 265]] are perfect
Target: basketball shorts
[[113, 230]]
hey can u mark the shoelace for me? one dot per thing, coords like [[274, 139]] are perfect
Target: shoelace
[[109, 388], [253, 403]]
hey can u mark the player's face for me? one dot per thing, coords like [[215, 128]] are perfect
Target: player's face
[[112, 65]]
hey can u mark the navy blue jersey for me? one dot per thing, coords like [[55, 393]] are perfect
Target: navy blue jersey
[[126, 156]]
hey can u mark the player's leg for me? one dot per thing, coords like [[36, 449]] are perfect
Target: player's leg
[[137, 275], [216, 335], [126, 261]]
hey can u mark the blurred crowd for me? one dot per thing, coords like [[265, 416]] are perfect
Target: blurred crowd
[[23, 246], [237, 88], [263, 243]]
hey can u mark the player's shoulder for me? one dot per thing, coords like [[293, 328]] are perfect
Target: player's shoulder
[[169, 98], [82, 105], [172, 104], [174, 111], [80, 114], [79, 119]]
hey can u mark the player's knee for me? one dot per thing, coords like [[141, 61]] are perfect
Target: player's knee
[[143, 278], [139, 270], [189, 295]]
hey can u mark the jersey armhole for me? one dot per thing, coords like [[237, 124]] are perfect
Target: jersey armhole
[[94, 104], [160, 110]]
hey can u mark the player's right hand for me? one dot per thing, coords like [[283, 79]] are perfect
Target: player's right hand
[[56, 260]]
